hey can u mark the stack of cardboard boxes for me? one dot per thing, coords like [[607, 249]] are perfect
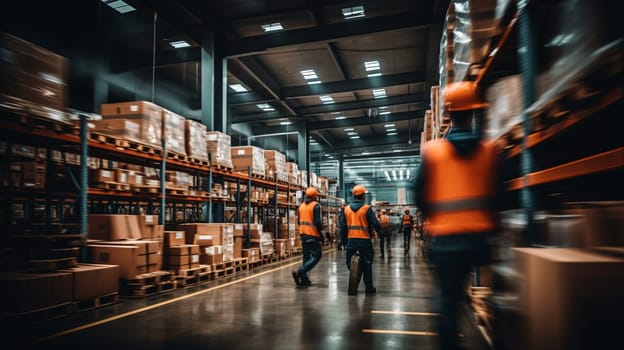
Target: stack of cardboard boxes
[[276, 165], [178, 254], [196, 140], [219, 148], [117, 118], [173, 129], [216, 241], [252, 157], [293, 173]]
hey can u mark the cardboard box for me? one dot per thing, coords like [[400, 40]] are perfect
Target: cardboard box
[[238, 246], [102, 175], [572, 297], [23, 292], [205, 234], [120, 128], [252, 254], [145, 246], [147, 115], [150, 227], [238, 230], [114, 227], [248, 156], [180, 260], [210, 259], [129, 259], [185, 249], [92, 280], [174, 238]]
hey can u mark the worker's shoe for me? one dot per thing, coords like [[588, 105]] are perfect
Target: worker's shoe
[[305, 281], [295, 275], [371, 290]]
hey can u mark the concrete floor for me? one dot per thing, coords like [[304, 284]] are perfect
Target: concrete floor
[[263, 309]]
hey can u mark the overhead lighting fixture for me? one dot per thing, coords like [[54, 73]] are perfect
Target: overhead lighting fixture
[[390, 130], [394, 175], [179, 44], [391, 134], [397, 150], [365, 153], [384, 107], [286, 123], [371, 65], [388, 125], [353, 12], [407, 175], [400, 174], [340, 118], [314, 82], [351, 133], [354, 137], [384, 112], [334, 113], [119, 6], [349, 129], [373, 75], [379, 93], [265, 107], [271, 27], [238, 88], [387, 175], [326, 99], [310, 76]]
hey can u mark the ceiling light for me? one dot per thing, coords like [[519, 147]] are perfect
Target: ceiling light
[[390, 130], [340, 118], [388, 125], [401, 174], [326, 99], [309, 74], [391, 134], [394, 175], [384, 112], [407, 175], [384, 107], [179, 44], [378, 93], [365, 153], [353, 12], [335, 113], [272, 27], [314, 82], [371, 65], [397, 150], [354, 137], [265, 107], [119, 6], [238, 88], [349, 129], [286, 123], [351, 133], [374, 75]]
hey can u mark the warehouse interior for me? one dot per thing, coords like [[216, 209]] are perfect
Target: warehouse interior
[[154, 155]]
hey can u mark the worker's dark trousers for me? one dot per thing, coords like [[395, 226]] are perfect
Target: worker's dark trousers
[[407, 237], [451, 272], [365, 248], [312, 254], [384, 238]]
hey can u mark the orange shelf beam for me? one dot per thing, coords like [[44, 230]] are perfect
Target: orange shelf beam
[[499, 46], [544, 135], [610, 160]]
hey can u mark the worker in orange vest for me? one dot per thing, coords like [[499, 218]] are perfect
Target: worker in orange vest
[[458, 190], [355, 227], [407, 223], [385, 234], [310, 231]]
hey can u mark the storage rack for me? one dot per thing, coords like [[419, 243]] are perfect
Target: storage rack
[[25, 129], [549, 156]]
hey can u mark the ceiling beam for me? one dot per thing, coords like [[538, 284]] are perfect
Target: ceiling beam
[[353, 85], [328, 32], [246, 98], [358, 121], [357, 105], [386, 155], [255, 69], [123, 62], [257, 117], [339, 65]]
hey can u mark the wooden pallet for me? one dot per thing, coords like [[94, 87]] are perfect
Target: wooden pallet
[[222, 167], [125, 143], [178, 156], [51, 265], [32, 117], [94, 303], [112, 186], [177, 191], [187, 281], [168, 286], [198, 161], [241, 264], [141, 291], [145, 189], [43, 314]]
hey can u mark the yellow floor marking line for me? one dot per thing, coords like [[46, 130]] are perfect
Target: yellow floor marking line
[[391, 331], [154, 306], [409, 313]]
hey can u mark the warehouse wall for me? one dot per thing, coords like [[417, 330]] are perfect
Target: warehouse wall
[[387, 192]]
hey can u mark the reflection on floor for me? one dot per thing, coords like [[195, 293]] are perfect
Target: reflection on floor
[[263, 309]]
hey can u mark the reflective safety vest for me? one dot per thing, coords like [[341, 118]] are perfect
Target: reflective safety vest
[[406, 220], [357, 225], [384, 221], [306, 219], [459, 191]]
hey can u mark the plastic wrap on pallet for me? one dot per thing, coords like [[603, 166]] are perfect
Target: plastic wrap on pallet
[[468, 27], [303, 176], [179, 178], [33, 78], [276, 162], [196, 140], [248, 156], [173, 132], [293, 173], [219, 148], [505, 102]]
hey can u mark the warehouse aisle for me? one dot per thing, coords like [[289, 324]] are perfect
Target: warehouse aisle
[[264, 310]]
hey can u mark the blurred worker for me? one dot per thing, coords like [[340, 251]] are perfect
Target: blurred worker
[[355, 225], [342, 241], [385, 234], [311, 232], [458, 190], [407, 223]]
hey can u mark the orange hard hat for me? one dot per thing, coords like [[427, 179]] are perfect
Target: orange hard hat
[[383, 211], [462, 96], [358, 190], [311, 192]]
